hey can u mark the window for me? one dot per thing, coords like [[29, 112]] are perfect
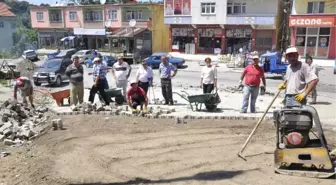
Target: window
[[94, 16], [208, 8], [236, 8], [56, 17], [316, 7], [112, 14], [73, 16], [2, 24], [39, 16], [134, 14]]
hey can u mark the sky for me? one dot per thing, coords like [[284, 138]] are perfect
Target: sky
[[38, 2]]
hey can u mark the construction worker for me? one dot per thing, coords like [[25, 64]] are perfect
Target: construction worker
[[121, 71], [313, 68], [300, 80], [137, 96], [26, 88], [252, 74]]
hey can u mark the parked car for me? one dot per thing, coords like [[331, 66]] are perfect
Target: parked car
[[30, 55], [66, 54], [108, 59], [52, 72], [155, 59], [83, 55]]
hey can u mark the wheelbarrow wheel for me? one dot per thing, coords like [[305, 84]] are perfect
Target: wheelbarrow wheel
[[211, 108], [119, 99]]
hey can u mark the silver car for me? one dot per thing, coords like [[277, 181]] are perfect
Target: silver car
[[83, 55], [30, 55]]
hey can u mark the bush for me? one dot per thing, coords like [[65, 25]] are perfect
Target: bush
[[5, 54]]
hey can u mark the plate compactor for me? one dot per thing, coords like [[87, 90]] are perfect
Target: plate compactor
[[300, 151]]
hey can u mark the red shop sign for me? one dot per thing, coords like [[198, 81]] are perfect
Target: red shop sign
[[315, 21]]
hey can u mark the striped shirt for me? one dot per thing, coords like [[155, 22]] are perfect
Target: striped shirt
[[99, 70]]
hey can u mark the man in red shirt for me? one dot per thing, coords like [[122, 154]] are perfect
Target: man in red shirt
[[137, 96], [252, 73]]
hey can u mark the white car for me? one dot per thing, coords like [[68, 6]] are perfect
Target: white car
[[83, 55], [30, 55]]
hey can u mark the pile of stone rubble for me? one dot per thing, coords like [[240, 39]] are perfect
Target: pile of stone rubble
[[19, 123]]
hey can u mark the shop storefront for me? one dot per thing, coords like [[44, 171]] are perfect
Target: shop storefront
[[52, 38], [237, 38], [182, 38], [209, 40], [314, 35], [93, 38]]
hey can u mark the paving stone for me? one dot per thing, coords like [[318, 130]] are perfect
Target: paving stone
[[9, 142], [2, 137]]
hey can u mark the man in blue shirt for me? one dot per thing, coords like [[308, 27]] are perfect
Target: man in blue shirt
[[99, 81], [165, 70]]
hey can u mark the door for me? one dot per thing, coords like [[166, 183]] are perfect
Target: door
[[311, 46], [131, 46]]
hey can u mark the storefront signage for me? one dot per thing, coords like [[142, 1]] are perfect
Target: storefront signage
[[82, 31], [177, 7], [183, 32], [239, 33], [250, 20], [319, 21], [177, 20]]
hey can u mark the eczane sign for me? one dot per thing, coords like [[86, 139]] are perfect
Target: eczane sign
[[307, 21]]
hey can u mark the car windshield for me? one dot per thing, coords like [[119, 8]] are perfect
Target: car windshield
[[30, 53], [109, 57], [52, 64], [61, 54], [80, 53]]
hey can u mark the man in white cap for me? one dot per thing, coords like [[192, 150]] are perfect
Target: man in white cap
[[136, 96], [300, 80], [121, 72], [314, 69], [252, 74]]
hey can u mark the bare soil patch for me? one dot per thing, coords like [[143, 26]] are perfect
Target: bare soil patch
[[101, 150]]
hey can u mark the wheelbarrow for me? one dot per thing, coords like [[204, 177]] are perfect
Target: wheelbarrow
[[210, 100], [59, 96], [112, 93]]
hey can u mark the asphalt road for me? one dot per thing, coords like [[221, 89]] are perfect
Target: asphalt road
[[190, 76]]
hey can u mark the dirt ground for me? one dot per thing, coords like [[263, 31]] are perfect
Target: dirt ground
[[104, 150]]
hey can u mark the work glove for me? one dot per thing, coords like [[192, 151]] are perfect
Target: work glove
[[134, 111], [282, 86], [300, 97], [144, 111]]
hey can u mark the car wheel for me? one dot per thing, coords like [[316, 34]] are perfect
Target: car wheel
[[37, 84], [58, 82]]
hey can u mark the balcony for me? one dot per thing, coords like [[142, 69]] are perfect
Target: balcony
[[56, 18], [93, 18], [140, 14]]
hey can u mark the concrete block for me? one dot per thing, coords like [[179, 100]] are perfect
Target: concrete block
[[9, 142], [27, 133], [2, 137]]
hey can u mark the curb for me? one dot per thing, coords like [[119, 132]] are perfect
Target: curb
[[163, 116]]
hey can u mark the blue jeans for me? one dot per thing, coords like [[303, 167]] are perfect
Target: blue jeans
[[252, 91]]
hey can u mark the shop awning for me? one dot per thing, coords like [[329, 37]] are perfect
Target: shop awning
[[68, 38], [126, 32]]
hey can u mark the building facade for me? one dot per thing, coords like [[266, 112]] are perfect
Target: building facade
[[222, 26], [103, 27], [7, 27], [313, 29]]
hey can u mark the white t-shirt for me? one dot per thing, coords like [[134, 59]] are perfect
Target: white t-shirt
[[121, 70], [298, 77], [144, 74], [209, 74]]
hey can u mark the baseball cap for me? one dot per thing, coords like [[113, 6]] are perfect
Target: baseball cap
[[96, 59], [291, 50], [255, 57], [19, 82]]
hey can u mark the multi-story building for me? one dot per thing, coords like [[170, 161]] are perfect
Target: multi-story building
[[104, 27], [313, 28], [222, 26], [7, 27]]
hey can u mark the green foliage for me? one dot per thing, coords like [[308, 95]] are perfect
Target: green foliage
[[5, 54]]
